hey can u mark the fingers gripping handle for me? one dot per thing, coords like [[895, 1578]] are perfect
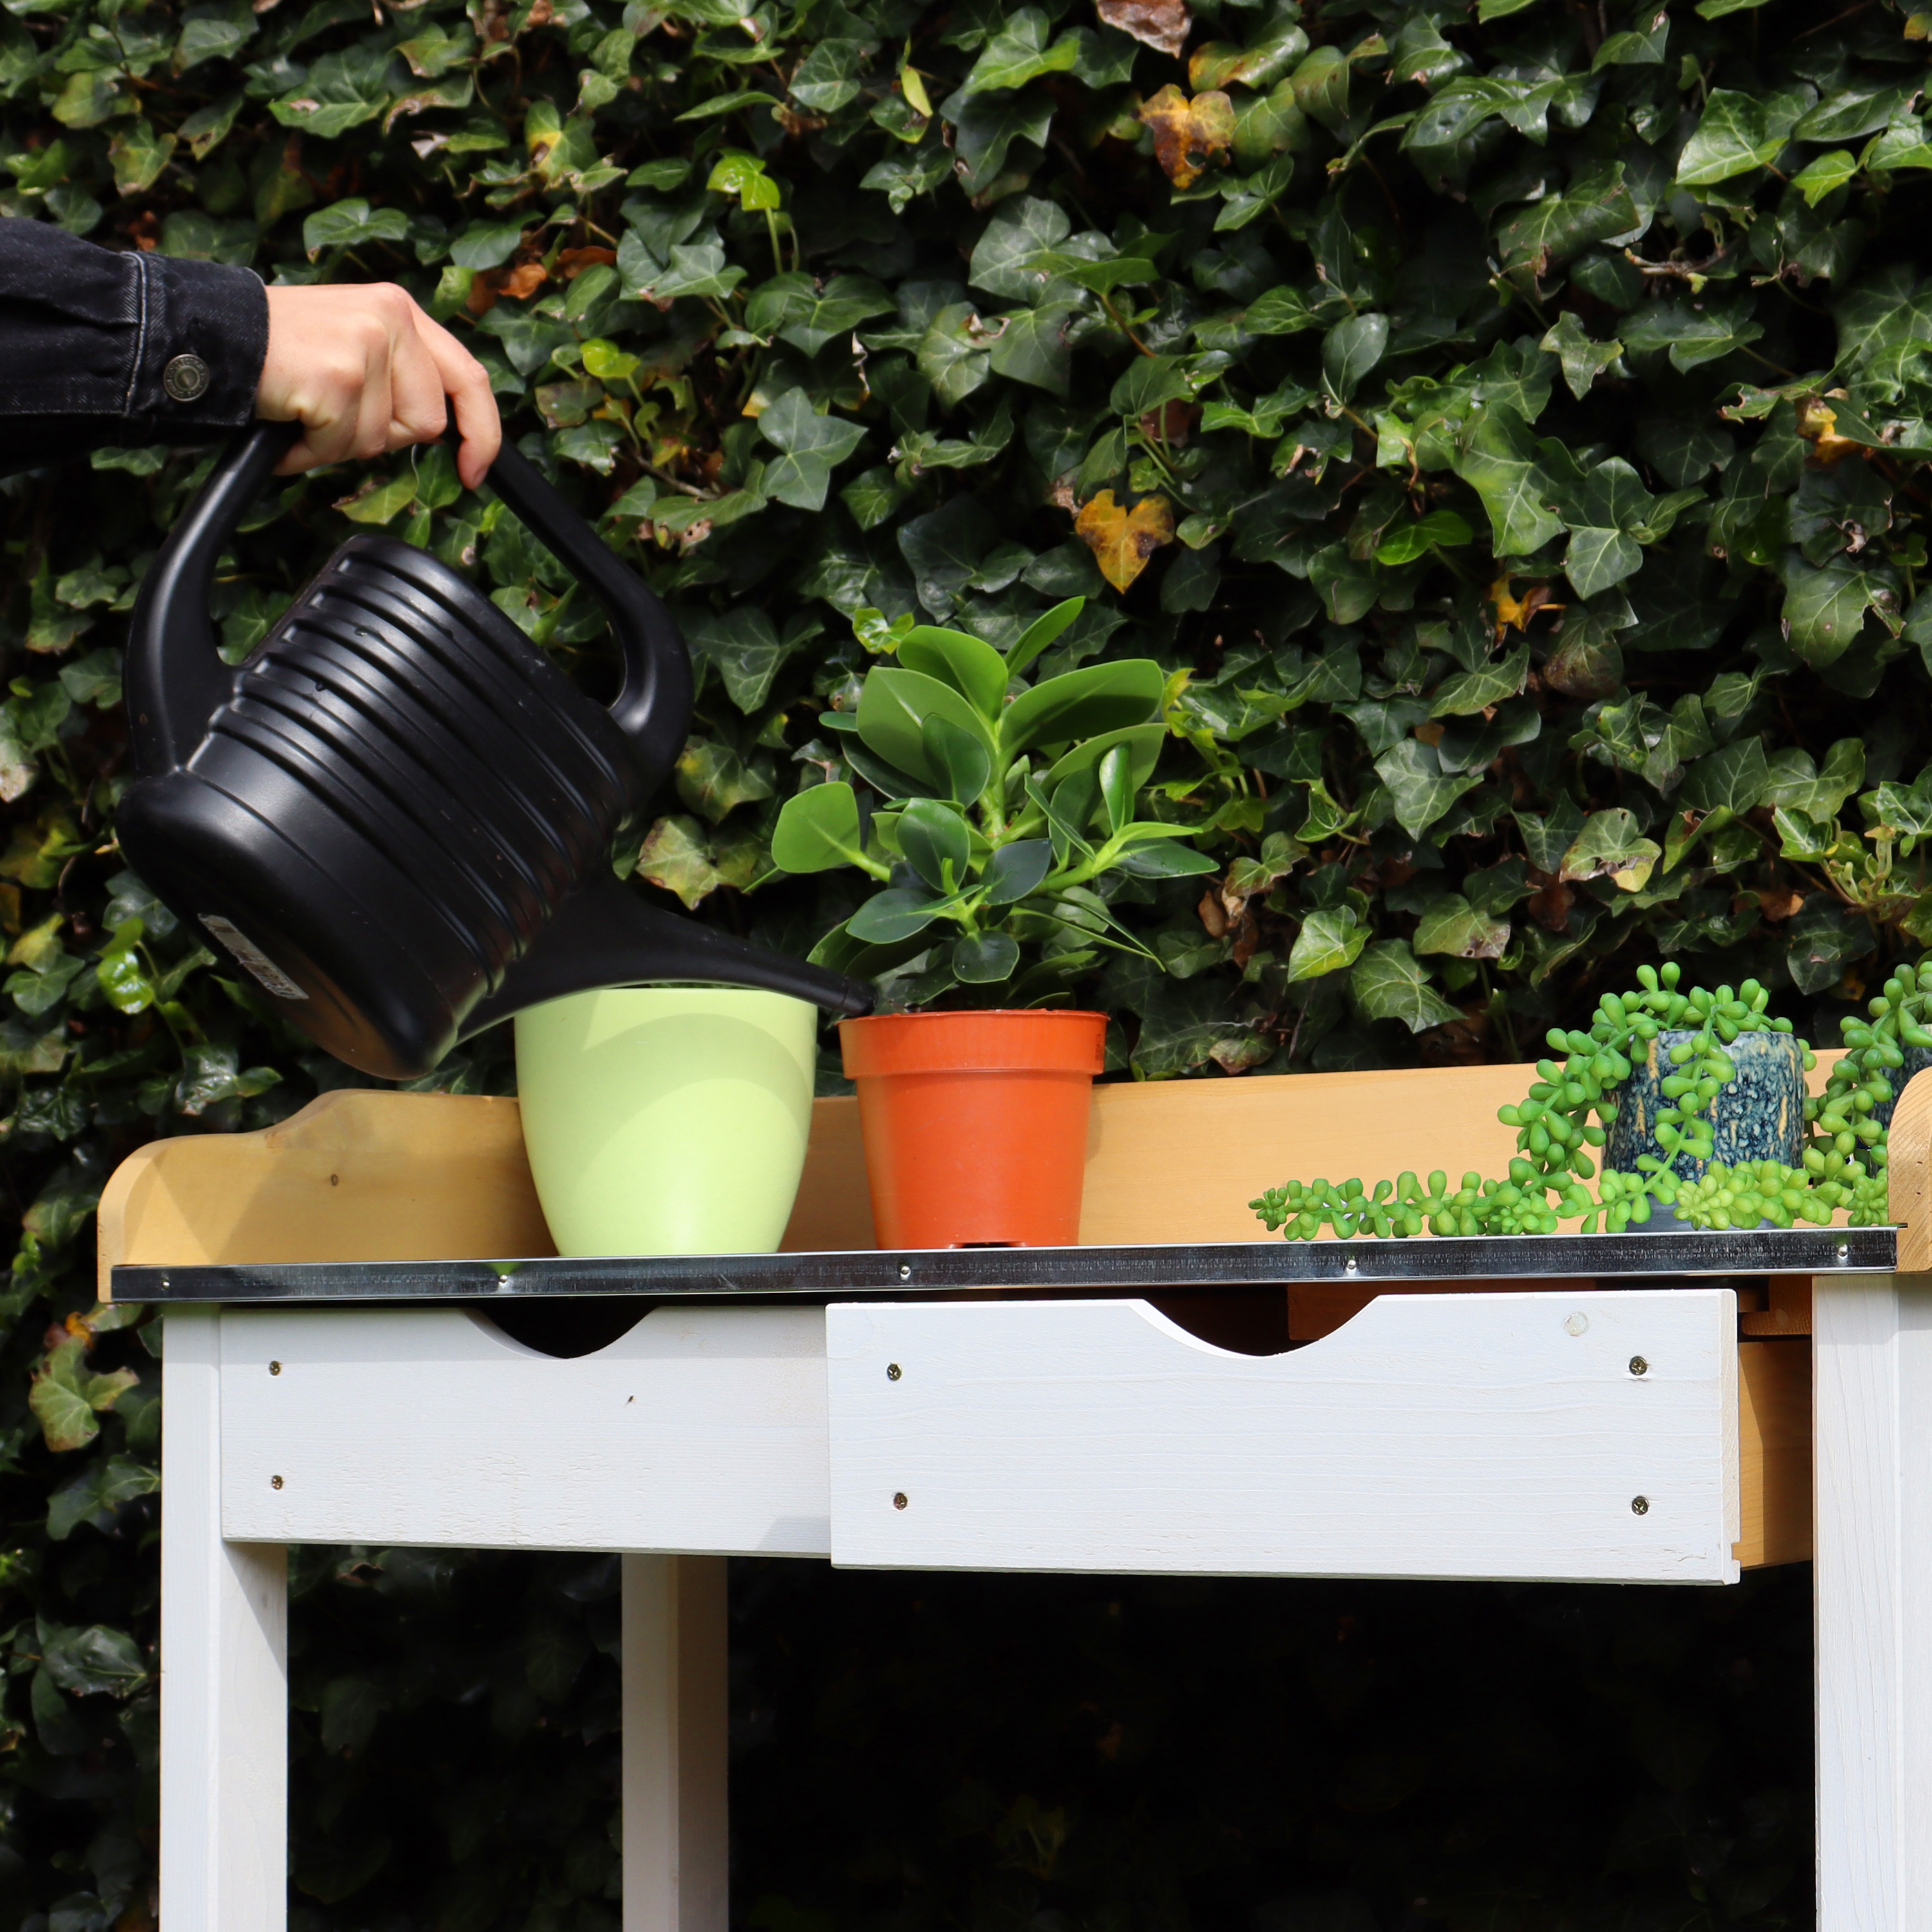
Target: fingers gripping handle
[[175, 675]]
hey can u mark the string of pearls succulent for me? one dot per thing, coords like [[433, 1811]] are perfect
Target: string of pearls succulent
[[1547, 1184]]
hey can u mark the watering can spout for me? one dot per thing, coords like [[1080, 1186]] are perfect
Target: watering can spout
[[606, 935]]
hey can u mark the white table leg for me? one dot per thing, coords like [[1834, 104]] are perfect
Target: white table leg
[[675, 1837], [224, 1668], [1872, 1344]]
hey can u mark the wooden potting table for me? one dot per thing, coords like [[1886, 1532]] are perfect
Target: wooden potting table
[[365, 1343]]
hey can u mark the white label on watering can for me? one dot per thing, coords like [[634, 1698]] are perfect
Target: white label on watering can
[[252, 956]]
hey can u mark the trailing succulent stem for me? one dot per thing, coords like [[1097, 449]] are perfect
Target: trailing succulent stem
[[1843, 1168]]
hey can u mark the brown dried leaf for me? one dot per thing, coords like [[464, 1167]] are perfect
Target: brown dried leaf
[[1172, 424], [571, 263], [524, 279], [1164, 24], [1550, 908], [1189, 136], [1122, 540], [1778, 903]]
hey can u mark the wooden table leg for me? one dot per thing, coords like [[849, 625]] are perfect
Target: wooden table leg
[[1872, 1580], [224, 1668], [676, 1836]]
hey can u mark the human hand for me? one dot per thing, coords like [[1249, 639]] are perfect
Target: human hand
[[365, 371]]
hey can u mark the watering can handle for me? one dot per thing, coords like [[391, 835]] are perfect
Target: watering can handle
[[652, 708], [176, 679]]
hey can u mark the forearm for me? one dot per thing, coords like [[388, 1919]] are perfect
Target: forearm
[[103, 347]]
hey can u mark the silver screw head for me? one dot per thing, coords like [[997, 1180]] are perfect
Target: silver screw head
[[892, 1372], [1349, 1266], [1639, 1505], [1844, 1252], [905, 1270], [1639, 1367], [1578, 1324], [898, 1499]]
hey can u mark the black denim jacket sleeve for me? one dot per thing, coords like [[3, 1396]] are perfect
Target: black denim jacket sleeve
[[98, 346]]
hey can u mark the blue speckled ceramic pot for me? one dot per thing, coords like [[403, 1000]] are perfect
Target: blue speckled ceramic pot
[[1917, 1059], [1758, 1116]]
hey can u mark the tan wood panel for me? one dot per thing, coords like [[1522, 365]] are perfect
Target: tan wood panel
[[356, 1175], [1774, 1452], [1909, 1171]]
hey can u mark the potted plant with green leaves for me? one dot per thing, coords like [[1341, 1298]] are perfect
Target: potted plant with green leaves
[[993, 811]]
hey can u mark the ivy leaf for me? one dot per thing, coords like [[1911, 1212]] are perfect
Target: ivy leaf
[[1824, 605], [797, 309], [91, 1660], [1487, 685], [1695, 330], [986, 126], [813, 446], [677, 857], [1611, 846], [1122, 539], [1351, 350], [744, 647], [342, 90], [1389, 983], [1583, 360], [1036, 346], [1737, 133], [66, 1397], [1452, 925], [1422, 791], [1498, 461], [1189, 135], [1019, 52], [1015, 256], [1791, 781], [1327, 943], [1733, 780], [954, 355], [1596, 206]]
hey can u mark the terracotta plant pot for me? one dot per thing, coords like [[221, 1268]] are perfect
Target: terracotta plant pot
[[975, 1123]]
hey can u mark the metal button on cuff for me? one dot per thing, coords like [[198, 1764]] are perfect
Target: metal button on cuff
[[185, 379]]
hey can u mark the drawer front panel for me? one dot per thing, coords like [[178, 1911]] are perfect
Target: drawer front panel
[[702, 1430], [1451, 1436]]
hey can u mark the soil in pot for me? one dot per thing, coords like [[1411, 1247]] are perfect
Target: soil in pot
[[667, 1120], [975, 1123]]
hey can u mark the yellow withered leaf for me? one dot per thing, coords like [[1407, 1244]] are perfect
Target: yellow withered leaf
[[1122, 539], [1818, 424], [1189, 136]]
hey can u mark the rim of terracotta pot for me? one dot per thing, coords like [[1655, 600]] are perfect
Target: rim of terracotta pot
[[992, 1040]]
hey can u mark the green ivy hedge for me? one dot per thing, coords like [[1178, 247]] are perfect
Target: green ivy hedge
[[1503, 423]]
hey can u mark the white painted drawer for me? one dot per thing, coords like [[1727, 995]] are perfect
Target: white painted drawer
[[1451, 1436]]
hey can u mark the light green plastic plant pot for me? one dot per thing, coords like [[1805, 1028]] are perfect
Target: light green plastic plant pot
[[667, 1120]]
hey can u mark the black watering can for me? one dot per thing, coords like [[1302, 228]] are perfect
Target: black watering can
[[397, 814]]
